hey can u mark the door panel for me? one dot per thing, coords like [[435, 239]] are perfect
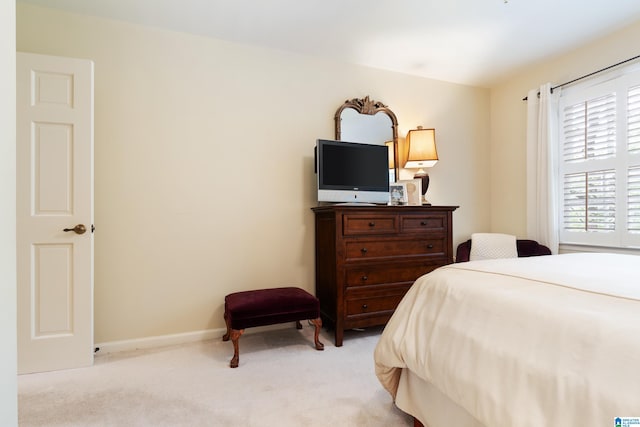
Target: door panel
[[54, 193], [53, 165], [52, 293]]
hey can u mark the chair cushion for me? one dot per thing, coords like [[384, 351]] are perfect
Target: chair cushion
[[263, 307]]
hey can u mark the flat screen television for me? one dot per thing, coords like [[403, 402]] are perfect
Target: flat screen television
[[350, 172]]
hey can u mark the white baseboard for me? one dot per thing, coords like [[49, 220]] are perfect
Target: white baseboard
[[158, 341], [168, 340]]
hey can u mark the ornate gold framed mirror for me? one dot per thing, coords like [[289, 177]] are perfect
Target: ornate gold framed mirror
[[367, 121]]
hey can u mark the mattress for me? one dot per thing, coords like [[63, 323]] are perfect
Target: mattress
[[540, 341]]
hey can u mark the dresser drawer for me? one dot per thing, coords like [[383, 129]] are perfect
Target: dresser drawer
[[390, 248], [374, 304], [363, 224], [423, 223], [378, 274]]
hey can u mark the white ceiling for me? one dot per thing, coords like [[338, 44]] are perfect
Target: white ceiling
[[473, 42]]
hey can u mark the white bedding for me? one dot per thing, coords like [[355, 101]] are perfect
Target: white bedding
[[540, 341]]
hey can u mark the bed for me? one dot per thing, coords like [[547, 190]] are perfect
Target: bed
[[541, 341]]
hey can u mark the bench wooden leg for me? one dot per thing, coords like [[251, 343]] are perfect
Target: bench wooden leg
[[226, 336], [235, 336], [316, 336]]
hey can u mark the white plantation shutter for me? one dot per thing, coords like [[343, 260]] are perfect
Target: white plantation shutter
[[590, 129], [633, 200], [590, 201], [575, 206], [633, 120], [600, 163], [633, 147]]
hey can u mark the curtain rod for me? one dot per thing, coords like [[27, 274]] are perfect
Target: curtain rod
[[590, 74]]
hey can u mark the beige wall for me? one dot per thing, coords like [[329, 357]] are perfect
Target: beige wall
[[204, 169], [8, 363], [508, 120]]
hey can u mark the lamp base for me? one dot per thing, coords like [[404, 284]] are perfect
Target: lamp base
[[424, 177]]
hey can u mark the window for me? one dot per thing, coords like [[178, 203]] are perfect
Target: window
[[599, 162]]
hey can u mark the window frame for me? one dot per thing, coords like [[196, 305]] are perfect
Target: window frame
[[619, 82]]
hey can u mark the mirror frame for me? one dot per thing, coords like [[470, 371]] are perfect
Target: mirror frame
[[369, 107]]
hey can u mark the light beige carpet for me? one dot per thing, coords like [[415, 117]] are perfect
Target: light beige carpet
[[282, 381]]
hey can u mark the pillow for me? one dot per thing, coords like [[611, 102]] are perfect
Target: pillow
[[492, 245]]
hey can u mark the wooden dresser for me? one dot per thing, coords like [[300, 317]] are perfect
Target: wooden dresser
[[367, 258]]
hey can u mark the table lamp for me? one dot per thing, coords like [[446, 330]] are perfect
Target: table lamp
[[422, 154]]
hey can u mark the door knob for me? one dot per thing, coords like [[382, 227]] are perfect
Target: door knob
[[78, 229]]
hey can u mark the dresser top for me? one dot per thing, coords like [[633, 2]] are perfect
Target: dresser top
[[381, 208]]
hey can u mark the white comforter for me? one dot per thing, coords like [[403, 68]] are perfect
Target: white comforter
[[541, 341]]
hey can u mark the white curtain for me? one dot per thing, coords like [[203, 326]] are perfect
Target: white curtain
[[542, 136]]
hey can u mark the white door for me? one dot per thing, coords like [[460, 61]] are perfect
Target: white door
[[54, 195]]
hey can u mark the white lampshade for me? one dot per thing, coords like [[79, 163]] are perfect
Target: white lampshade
[[422, 148]]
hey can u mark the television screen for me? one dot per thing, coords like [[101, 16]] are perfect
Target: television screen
[[352, 172]]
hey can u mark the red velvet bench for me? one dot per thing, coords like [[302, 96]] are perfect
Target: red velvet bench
[[264, 307]]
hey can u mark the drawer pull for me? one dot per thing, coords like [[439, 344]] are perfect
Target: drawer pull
[[429, 246], [364, 307], [372, 224], [423, 222], [364, 278], [364, 251]]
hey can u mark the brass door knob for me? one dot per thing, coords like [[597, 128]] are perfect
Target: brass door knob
[[78, 229]]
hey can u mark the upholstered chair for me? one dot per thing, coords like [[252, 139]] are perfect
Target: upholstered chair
[[525, 248]]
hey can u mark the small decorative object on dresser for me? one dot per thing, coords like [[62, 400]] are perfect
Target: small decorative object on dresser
[[398, 194], [414, 191], [367, 258]]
